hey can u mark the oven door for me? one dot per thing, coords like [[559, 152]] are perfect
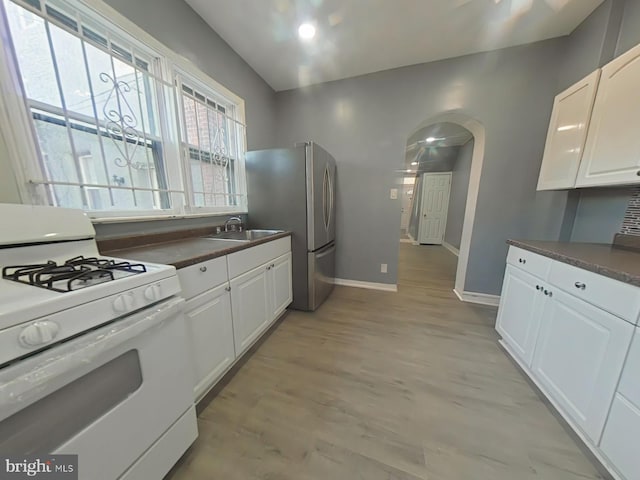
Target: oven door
[[106, 396]]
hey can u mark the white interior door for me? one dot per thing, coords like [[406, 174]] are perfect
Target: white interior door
[[435, 204]]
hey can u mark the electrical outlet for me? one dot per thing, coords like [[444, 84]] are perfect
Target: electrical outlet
[[393, 194], [383, 268]]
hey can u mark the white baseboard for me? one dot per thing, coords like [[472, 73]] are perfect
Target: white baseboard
[[451, 248], [386, 287], [479, 298], [412, 240], [406, 240]]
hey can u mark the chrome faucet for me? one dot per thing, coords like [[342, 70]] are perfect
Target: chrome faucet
[[237, 219]]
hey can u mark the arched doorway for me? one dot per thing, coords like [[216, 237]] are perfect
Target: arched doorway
[[478, 131]]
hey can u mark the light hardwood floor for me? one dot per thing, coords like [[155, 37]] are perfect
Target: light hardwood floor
[[376, 385]]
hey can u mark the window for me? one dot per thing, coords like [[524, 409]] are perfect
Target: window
[[211, 140], [109, 124]]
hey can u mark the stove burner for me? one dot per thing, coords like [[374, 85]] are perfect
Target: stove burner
[[74, 274]]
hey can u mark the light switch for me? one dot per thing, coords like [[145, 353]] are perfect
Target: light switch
[[393, 194]]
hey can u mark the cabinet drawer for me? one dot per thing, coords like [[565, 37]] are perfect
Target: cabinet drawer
[[245, 260], [201, 277], [529, 262], [630, 381], [618, 298], [621, 438]]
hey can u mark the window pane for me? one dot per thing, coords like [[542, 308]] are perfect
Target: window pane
[[72, 71], [34, 57]]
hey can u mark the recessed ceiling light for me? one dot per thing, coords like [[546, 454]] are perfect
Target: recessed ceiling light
[[431, 139], [414, 163], [306, 31]]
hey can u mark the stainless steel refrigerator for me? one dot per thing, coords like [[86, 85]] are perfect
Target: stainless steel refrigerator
[[294, 189]]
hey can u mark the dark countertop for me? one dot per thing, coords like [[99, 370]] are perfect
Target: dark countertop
[[621, 264], [186, 251]]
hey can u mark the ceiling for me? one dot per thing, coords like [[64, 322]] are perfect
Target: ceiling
[[356, 37], [438, 153]]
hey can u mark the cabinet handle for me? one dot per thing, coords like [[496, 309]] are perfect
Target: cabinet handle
[[203, 269], [538, 287], [638, 173], [269, 267], [273, 265], [228, 289], [522, 260], [548, 293], [580, 285]]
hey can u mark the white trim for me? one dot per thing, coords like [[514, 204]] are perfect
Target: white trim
[[451, 248], [406, 240], [478, 131], [386, 287], [413, 240], [479, 298]]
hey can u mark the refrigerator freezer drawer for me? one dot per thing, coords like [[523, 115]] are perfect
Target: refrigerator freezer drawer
[[321, 274]]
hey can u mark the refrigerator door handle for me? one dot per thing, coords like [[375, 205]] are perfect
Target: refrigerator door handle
[[331, 195], [325, 198]]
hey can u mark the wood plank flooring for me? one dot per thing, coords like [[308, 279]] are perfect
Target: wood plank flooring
[[375, 385]]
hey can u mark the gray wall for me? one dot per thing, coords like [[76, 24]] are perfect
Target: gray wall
[[458, 197], [365, 121], [630, 29], [599, 214], [437, 159]]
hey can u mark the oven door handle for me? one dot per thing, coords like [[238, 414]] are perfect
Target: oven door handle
[[33, 378]]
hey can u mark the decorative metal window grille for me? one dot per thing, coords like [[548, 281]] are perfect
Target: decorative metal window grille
[[103, 110], [94, 101], [214, 144]]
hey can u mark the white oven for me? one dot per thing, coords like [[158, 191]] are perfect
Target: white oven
[[107, 395]]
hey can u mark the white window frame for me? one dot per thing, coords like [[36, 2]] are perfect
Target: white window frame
[[21, 139], [181, 76]]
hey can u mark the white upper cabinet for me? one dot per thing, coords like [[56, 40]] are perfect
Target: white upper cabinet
[[567, 134], [612, 149]]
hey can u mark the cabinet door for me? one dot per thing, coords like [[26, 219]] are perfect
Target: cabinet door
[[251, 306], [578, 359], [519, 314], [281, 286], [567, 134], [621, 437], [612, 150], [210, 330]]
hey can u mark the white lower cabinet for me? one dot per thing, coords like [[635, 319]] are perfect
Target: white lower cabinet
[[225, 316], [250, 304], [579, 355], [210, 330], [281, 284], [520, 312], [621, 437], [571, 331]]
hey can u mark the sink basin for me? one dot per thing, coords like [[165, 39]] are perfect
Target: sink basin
[[245, 236]]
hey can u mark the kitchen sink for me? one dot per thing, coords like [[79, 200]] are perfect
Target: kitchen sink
[[244, 236]]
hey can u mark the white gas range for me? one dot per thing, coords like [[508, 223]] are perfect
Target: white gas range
[[93, 353]]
